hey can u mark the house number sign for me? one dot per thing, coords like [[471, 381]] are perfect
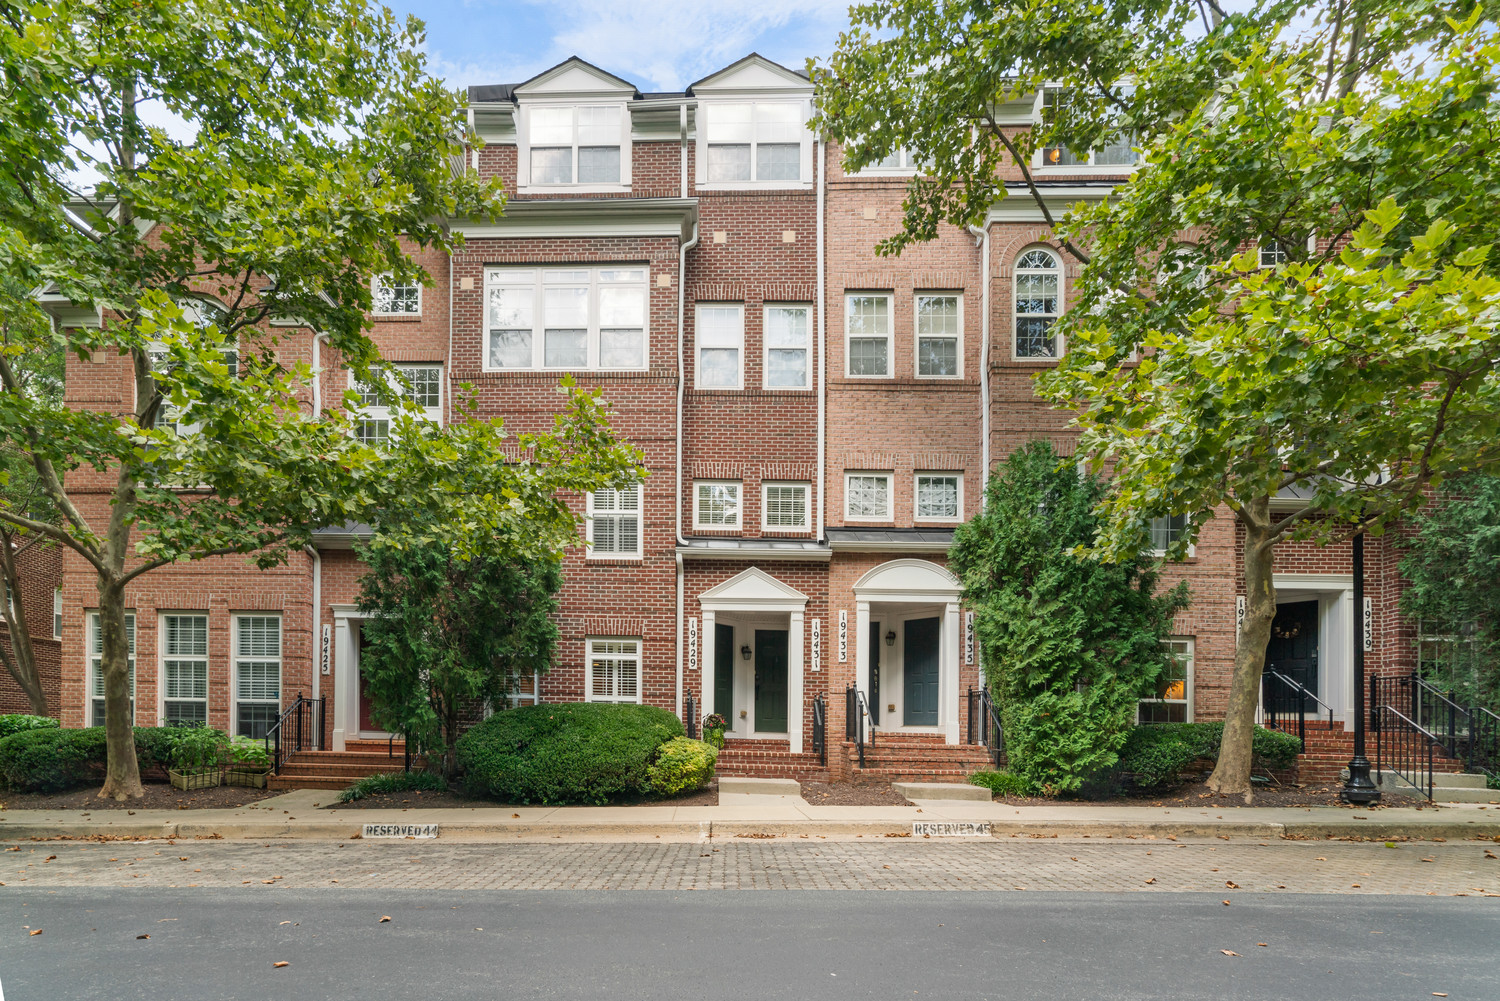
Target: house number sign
[[843, 636], [1369, 624], [326, 649], [817, 644], [692, 645], [968, 637]]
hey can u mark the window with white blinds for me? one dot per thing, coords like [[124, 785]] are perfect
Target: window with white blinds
[[784, 507], [257, 673], [184, 669], [96, 669], [614, 670], [614, 522]]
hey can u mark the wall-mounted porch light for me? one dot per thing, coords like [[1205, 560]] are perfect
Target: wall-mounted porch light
[[745, 651], [890, 638]]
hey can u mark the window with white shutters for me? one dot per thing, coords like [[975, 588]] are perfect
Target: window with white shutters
[[716, 504], [614, 522], [257, 673], [614, 670], [784, 507]]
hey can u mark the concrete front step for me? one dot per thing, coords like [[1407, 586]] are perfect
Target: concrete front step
[[732, 785], [942, 790], [312, 781], [1462, 787]]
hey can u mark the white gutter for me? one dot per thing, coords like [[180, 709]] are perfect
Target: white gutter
[[317, 630], [820, 149], [682, 126], [682, 253], [982, 239]]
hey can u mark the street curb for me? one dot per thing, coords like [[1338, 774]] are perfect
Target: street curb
[[342, 830]]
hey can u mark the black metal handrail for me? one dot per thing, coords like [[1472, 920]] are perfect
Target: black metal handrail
[[1450, 722], [1284, 700], [1400, 743], [690, 716], [856, 710], [298, 728], [991, 732], [1484, 741], [820, 728]]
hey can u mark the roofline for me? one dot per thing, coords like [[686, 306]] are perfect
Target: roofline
[[746, 59]]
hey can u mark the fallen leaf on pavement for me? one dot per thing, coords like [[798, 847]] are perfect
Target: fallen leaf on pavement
[[1226, 903], [36, 931], [1320, 859], [280, 963], [1229, 952], [1151, 880], [386, 917], [1231, 884], [138, 937], [1262, 945], [1429, 860], [284, 923], [1438, 994]]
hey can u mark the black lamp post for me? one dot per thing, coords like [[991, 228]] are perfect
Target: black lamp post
[[1358, 789]]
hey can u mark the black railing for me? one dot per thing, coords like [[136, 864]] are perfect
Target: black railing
[[984, 722], [1469, 734], [1484, 741], [856, 710], [1402, 747], [298, 728], [1284, 704], [820, 728], [1437, 713], [690, 716]]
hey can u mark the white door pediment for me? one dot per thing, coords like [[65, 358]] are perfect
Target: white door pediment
[[752, 589]]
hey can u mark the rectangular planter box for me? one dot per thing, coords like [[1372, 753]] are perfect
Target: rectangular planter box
[[194, 780], [246, 777]]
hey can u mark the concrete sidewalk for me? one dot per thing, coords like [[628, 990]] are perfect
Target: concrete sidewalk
[[295, 815]]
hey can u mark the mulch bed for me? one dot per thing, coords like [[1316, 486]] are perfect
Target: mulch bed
[[416, 800], [1197, 794], [852, 794], [159, 796]]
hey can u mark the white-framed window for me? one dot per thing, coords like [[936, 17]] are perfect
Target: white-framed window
[[613, 670], [1272, 253], [184, 669], [576, 145], [1117, 151], [614, 522], [257, 673], [1167, 530], [571, 318], [939, 318], [96, 667], [1174, 689], [716, 504], [57, 614], [867, 496], [721, 346], [524, 690], [784, 507], [757, 143], [392, 298], [939, 496], [424, 387], [898, 162], [867, 333], [1038, 303], [787, 332], [159, 354]]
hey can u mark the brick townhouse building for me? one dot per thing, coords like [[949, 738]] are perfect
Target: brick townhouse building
[[816, 420]]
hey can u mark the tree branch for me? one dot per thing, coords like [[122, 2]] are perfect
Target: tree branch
[[1036, 195], [53, 532]]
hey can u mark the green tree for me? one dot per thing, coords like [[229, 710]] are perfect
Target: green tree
[[1453, 566], [317, 151], [447, 634], [1070, 644], [1349, 146]]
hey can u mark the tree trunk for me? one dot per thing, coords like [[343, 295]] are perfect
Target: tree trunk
[[122, 774], [20, 660], [1231, 776]]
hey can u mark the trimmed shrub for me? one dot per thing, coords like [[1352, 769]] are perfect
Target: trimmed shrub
[[51, 760], [579, 752], [1155, 755], [199, 748], [681, 764], [247, 753], [153, 749], [372, 785], [18, 722], [1003, 783]]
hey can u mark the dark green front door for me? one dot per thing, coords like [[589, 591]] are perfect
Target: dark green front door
[[770, 680], [921, 672], [724, 672]]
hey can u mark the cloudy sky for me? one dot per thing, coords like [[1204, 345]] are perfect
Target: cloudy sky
[[657, 44]]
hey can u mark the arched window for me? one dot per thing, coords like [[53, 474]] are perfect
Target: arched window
[[1038, 303]]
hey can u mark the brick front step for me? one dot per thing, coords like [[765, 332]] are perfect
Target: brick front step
[[333, 769], [737, 760]]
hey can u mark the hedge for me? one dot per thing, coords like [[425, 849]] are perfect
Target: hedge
[[19, 722], [385, 782], [1154, 755], [1003, 783], [581, 752], [53, 759], [681, 764]]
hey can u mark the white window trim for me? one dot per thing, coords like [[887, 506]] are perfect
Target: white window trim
[[765, 352], [640, 532], [890, 335], [376, 281], [234, 664], [538, 319], [57, 613], [1038, 162], [91, 630], [699, 525], [588, 668], [374, 412], [1192, 666], [1192, 547], [906, 169], [916, 337], [181, 427], [915, 496], [890, 495], [516, 697], [1060, 347], [806, 489], [1264, 244], [705, 113], [523, 147], [161, 663], [698, 346]]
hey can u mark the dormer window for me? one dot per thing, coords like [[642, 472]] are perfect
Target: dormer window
[[1117, 151], [756, 142], [575, 145]]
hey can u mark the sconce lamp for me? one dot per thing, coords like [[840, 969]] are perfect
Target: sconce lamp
[[890, 638], [745, 651]]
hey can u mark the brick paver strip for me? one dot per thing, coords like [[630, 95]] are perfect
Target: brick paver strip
[[1464, 868]]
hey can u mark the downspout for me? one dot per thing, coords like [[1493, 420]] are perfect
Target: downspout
[[820, 151], [982, 240], [312, 553], [682, 253]]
